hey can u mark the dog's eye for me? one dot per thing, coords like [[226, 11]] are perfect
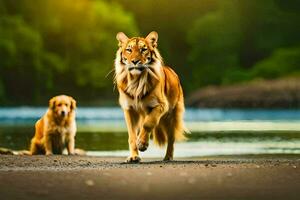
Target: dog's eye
[[59, 104]]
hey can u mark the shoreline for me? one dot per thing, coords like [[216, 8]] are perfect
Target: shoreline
[[66, 162], [85, 177], [276, 93]]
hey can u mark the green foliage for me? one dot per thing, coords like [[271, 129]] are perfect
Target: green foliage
[[215, 40], [282, 62], [59, 46], [17, 39], [240, 35], [21, 58], [49, 47]]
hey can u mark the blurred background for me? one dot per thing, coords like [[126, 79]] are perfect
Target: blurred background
[[238, 61]]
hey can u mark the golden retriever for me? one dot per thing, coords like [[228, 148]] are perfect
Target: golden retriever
[[56, 129]]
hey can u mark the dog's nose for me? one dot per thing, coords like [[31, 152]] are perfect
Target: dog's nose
[[63, 113], [135, 62]]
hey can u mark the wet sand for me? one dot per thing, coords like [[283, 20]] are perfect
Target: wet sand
[[83, 177]]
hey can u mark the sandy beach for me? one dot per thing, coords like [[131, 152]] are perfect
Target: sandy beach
[[85, 177]]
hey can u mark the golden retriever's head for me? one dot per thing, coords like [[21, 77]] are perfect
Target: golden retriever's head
[[62, 105], [137, 53]]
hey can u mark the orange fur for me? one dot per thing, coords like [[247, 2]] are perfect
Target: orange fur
[[150, 95], [56, 129]]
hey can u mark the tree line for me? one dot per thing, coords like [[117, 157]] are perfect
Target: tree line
[[48, 47]]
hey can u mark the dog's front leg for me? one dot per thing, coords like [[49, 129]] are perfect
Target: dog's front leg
[[48, 145], [71, 145], [132, 120], [151, 121]]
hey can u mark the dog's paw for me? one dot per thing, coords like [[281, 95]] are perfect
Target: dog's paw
[[49, 153], [133, 159], [142, 146]]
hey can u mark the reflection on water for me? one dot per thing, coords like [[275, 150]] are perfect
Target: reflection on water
[[198, 144], [18, 138], [214, 132]]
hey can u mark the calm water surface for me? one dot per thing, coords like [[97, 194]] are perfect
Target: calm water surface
[[102, 131]]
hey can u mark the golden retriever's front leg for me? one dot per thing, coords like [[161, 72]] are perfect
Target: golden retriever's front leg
[[71, 145], [132, 120], [35, 147], [48, 145], [151, 121]]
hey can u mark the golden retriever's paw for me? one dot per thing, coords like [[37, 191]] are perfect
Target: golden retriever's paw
[[80, 152], [142, 146], [167, 158], [133, 159], [49, 153]]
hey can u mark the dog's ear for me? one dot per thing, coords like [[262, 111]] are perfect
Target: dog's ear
[[152, 39], [73, 103], [122, 38], [52, 103]]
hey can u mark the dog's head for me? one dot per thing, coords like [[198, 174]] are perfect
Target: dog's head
[[62, 105]]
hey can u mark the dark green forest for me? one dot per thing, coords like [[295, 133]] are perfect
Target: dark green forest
[[49, 47]]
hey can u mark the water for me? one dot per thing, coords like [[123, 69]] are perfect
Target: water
[[102, 131], [90, 115]]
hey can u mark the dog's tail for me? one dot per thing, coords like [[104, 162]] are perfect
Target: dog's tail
[[5, 151]]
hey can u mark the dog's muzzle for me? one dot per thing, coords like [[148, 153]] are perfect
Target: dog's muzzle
[[63, 113]]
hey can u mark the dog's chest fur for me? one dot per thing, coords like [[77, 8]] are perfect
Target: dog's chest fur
[[63, 131]]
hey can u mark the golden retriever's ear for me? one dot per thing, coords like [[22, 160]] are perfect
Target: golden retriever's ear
[[73, 103], [52, 103], [152, 39], [122, 38]]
